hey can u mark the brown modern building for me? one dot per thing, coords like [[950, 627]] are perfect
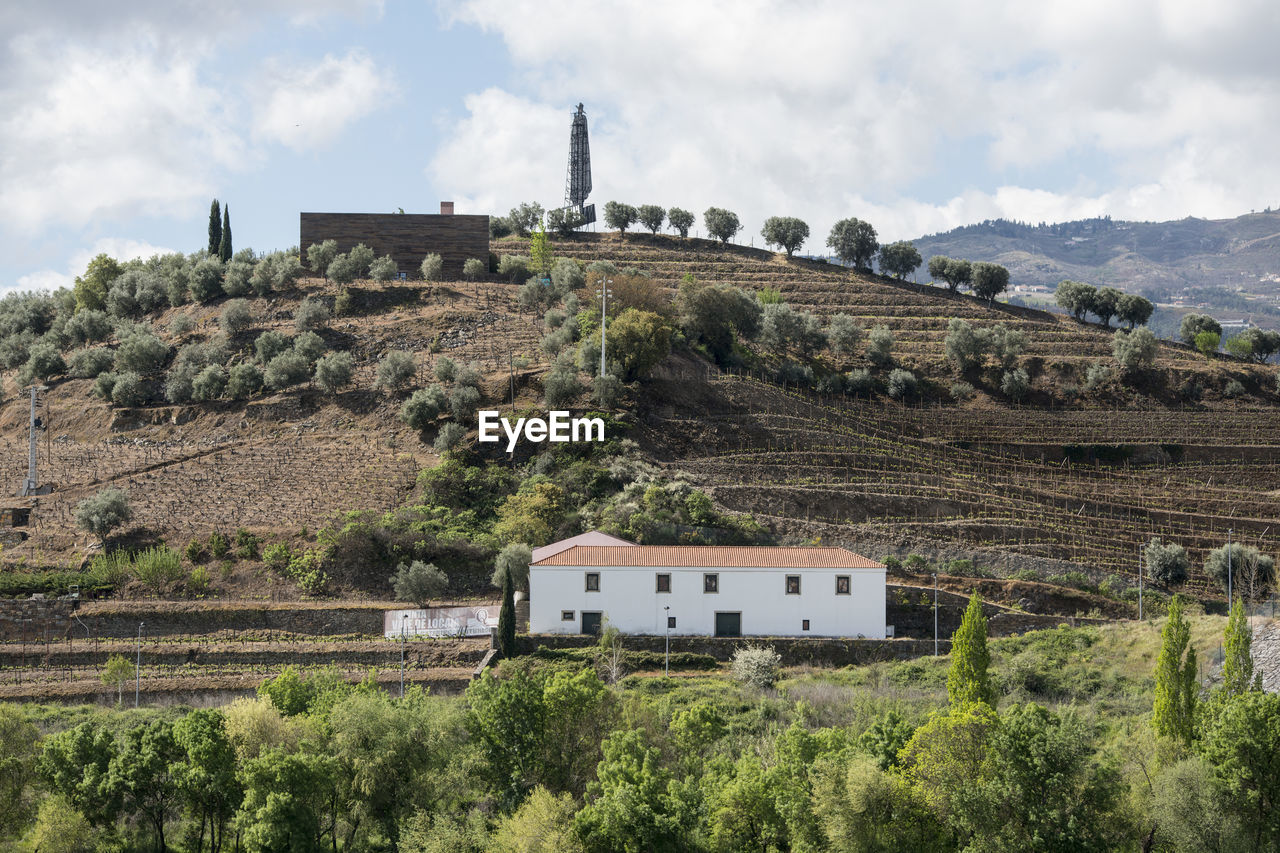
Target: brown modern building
[[406, 237]]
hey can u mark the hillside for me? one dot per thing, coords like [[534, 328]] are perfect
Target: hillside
[[1074, 479], [1225, 264]]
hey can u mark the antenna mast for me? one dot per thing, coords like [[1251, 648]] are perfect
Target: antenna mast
[[577, 182]]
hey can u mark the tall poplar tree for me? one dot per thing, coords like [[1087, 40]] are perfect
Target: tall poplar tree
[[1175, 704], [215, 228], [967, 679], [1237, 667], [224, 247]]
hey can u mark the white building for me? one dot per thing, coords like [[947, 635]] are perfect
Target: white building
[[724, 591]]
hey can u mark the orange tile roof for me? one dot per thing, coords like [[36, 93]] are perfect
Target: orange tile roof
[[710, 557]]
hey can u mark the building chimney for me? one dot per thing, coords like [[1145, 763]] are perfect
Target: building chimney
[[446, 208]]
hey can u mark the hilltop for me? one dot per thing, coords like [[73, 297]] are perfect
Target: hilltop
[[1070, 480], [1225, 264]]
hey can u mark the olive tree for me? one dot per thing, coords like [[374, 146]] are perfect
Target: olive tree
[[721, 224], [1194, 324], [785, 231], [681, 220], [620, 216], [1166, 563], [651, 216], [395, 370], [899, 259], [333, 371], [1134, 351], [432, 267], [104, 512], [854, 242], [418, 582], [1076, 297], [989, 280]]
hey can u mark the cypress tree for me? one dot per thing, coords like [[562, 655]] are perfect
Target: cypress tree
[[215, 228], [507, 618], [224, 247], [1173, 715], [1237, 667], [967, 679]]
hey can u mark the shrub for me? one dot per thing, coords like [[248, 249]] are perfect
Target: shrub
[[448, 437], [567, 276], [209, 383], [880, 346], [246, 544], [277, 555], [218, 545], [320, 255], [310, 346], [1251, 571], [1078, 580], [756, 666], [244, 381], [473, 269], [1096, 376], [464, 400], [236, 316], [1233, 388], [432, 267], [195, 551], [395, 370], [468, 375], [104, 512], [860, 381], [1207, 343], [181, 324], [605, 390], [310, 314], [832, 383], [89, 363], [1015, 384], [198, 581], [206, 280], [90, 326], [843, 334], [445, 369], [1134, 351], [333, 371], [178, 382], [514, 268], [561, 386], [236, 281], [962, 391], [285, 370], [383, 269], [902, 384], [158, 568], [127, 389], [418, 582], [423, 407], [141, 352], [964, 347], [791, 373], [1027, 575]]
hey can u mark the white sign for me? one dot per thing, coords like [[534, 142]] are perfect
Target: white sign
[[440, 622]]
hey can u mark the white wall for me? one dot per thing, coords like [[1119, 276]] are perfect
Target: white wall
[[628, 598]]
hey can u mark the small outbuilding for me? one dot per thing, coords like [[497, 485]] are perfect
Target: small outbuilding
[[721, 591]]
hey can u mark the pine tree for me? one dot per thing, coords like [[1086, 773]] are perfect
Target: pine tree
[[1175, 704], [224, 247], [215, 228], [967, 679], [507, 619], [1237, 667]]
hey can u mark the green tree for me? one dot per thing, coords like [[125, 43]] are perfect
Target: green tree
[[1105, 304], [104, 512], [963, 346], [860, 807], [1173, 715], [288, 803], [224, 243], [955, 272], [1133, 309], [1165, 563], [785, 231], [205, 776], [541, 255], [141, 771], [321, 255], [620, 216], [1135, 351], [651, 216], [681, 220], [721, 224], [532, 515], [989, 281], [215, 228], [118, 672], [542, 824], [1187, 807], [525, 217], [418, 582], [395, 370], [1193, 324], [713, 316], [899, 259], [19, 750], [854, 242], [1076, 297], [74, 764], [507, 620], [1207, 343], [843, 334], [1241, 742], [967, 679], [432, 268], [1237, 664], [92, 287], [880, 346], [333, 371], [637, 341], [513, 562], [1252, 572]]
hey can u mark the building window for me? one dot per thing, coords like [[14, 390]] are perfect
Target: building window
[[793, 584], [804, 624], [842, 584], [664, 583], [671, 622], [593, 581], [710, 583], [566, 615]]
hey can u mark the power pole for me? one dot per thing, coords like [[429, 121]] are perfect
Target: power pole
[[32, 485], [1139, 583], [1229, 599], [935, 614], [137, 668]]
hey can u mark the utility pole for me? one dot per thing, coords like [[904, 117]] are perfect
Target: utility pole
[[603, 293], [1139, 583], [666, 668], [137, 668], [935, 614], [32, 485], [1229, 532]]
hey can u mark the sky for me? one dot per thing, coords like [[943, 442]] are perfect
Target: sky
[[120, 122]]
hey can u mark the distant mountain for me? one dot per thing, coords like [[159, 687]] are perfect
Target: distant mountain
[[1230, 265]]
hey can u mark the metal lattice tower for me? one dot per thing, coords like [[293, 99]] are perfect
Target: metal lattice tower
[[577, 184]]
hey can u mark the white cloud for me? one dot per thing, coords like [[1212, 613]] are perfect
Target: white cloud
[[308, 106], [827, 109], [120, 248]]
